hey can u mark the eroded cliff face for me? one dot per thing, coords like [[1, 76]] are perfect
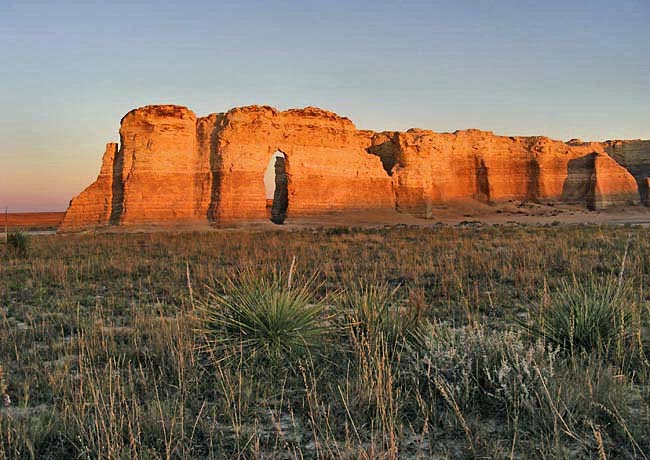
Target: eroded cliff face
[[327, 165], [634, 155], [158, 166], [429, 168], [93, 206], [172, 167]]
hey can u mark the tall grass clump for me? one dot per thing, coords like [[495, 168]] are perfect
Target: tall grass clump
[[18, 242], [587, 316], [375, 314], [263, 319]]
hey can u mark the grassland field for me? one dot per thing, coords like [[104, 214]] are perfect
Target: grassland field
[[425, 343]]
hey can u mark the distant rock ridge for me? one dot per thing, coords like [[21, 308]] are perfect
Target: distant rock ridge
[[174, 167]]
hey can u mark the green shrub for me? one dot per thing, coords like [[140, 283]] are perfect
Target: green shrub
[[583, 316], [18, 242], [263, 319]]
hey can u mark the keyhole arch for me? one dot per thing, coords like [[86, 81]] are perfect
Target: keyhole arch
[[276, 186], [269, 174]]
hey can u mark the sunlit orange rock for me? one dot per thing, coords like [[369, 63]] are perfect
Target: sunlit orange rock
[[613, 184], [326, 161], [158, 166], [93, 206], [172, 167], [430, 168]]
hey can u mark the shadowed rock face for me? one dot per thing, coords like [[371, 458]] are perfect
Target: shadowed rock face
[[172, 167], [482, 183], [581, 180], [634, 155]]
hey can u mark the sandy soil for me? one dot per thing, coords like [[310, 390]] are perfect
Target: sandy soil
[[465, 213], [509, 213]]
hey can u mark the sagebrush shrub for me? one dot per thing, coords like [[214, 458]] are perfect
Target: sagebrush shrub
[[482, 366]]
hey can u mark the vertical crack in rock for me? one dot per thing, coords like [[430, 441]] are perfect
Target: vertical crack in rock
[[281, 193], [117, 187], [532, 186], [216, 166], [482, 183], [643, 184]]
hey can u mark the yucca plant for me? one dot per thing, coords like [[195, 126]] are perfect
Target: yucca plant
[[583, 316], [263, 319]]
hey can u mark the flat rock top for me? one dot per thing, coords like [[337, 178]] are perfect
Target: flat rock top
[[160, 111], [316, 116]]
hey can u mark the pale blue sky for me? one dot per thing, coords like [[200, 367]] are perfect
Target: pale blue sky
[[71, 69]]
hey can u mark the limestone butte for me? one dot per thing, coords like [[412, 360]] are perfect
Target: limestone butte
[[327, 164], [429, 168], [172, 167], [157, 167]]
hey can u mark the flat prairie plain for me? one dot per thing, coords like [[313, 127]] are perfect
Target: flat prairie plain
[[463, 341], [31, 221]]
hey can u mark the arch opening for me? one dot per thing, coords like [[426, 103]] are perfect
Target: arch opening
[[276, 184]]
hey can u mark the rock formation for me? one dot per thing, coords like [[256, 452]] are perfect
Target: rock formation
[[172, 167], [327, 164], [93, 206], [429, 168], [634, 155]]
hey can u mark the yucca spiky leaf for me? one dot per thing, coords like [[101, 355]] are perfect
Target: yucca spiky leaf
[[260, 318], [583, 316]]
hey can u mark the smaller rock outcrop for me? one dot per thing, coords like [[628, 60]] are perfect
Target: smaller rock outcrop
[[597, 181], [93, 206], [614, 185], [634, 156]]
